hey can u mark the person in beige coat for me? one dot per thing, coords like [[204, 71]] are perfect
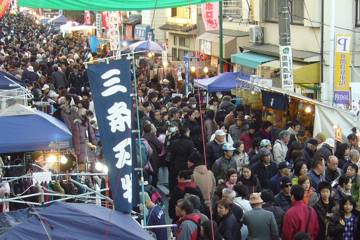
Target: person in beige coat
[[203, 177]]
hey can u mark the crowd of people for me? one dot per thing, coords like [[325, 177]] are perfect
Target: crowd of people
[[232, 174]]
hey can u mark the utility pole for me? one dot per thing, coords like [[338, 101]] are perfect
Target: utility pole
[[221, 36], [286, 63]]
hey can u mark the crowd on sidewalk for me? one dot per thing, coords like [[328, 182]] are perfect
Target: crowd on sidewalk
[[232, 174]]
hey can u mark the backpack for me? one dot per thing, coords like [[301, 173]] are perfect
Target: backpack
[[195, 218], [154, 195], [146, 152]]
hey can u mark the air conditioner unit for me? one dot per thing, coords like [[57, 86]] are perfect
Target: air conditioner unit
[[256, 35]]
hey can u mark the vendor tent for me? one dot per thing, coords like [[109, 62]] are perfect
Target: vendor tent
[[23, 129], [223, 82], [108, 5], [12, 91], [58, 20], [146, 46], [70, 221]]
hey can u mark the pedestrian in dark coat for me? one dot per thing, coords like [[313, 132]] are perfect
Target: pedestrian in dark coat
[[59, 79], [250, 180], [229, 227], [179, 150], [265, 169], [214, 148], [268, 197]]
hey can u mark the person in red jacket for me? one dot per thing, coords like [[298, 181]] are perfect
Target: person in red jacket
[[300, 217]]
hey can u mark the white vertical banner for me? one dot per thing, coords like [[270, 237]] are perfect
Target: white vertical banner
[[210, 15], [286, 66], [114, 30], [98, 23]]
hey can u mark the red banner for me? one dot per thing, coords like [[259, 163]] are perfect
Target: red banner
[[87, 18], [4, 6], [210, 15], [105, 20]]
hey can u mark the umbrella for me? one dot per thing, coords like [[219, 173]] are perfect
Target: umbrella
[[146, 46], [70, 221]]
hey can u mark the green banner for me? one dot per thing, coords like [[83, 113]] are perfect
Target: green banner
[[108, 5]]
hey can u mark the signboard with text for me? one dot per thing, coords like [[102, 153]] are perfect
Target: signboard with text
[[342, 69], [286, 66], [210, 15]]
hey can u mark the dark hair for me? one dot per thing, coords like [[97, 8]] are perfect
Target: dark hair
[[242, 191], [226, 203], [196, 158], [343, 202], [256, 142], [267, 124], [195, 200], [353, 165], [352, 136], [297, 167], [248, 166], [147, 128], [302, 236], [210, 228], [298, 192], [318, 158], [343, 180], [267, 195], [230, 172], [303, 179], [186, 174], [186, 205], [324, 185], [340, 150], [210, 114], [295, 123]]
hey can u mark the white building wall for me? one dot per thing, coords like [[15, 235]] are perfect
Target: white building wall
[[156, 18]]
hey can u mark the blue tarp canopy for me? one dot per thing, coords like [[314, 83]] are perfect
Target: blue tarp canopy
[[223, 82], [69, 221], [23, 129], [8, 81]]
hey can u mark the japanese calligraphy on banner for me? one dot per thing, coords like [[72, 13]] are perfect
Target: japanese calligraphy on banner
[[342, 69], [104, 19], [210, 15], [4, 6], [286, 66], [110, 85], [98, 22], [114, 30]]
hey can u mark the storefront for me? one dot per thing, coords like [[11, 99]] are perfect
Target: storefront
[[143, 32], [129, 26]]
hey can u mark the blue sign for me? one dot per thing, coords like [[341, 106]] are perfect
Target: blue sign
[[143, 32], [111, 87]]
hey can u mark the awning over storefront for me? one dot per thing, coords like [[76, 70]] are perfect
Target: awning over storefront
[[208, 43], [250, 59]]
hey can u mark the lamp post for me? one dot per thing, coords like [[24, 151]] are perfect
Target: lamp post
[[187, 59]]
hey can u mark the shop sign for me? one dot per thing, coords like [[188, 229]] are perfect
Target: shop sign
[[210, 15], [142, 32], [129, 32], [87, 18], [338, 134], [205, 46], [114, 30], [98, 22], [342, 69], [105, 20], [286, 65], [4, 6]]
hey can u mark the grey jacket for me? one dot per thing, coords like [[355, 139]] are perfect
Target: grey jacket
[[261, 225], [280, 150]]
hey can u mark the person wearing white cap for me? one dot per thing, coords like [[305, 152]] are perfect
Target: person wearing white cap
[[327, 148], [214, 147], [224, 163]]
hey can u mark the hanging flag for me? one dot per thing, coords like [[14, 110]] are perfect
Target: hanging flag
[[98, 25], [210, 15], [105, 21], [111, 87], [87, 18], [4, 6], [114, 30]]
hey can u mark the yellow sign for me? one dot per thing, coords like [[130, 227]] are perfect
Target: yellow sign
[[338, 134], [342, 69]]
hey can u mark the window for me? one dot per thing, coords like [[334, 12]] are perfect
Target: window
[[296, 7], [232, 9], [184, 42], [357, 14], [174, 54], [175, 40], [181, 12]]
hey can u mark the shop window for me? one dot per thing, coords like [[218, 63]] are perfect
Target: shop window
[[175, 40], [181, 12], [184, 42], [357, 14], [296, 8], [232, 9], [174, 54]]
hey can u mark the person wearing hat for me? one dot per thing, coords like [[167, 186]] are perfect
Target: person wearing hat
[[283, 198], [214, 147], [309, 151], [265, 169], [261, 223], [327, 149], [224, 163], [235, 129], [326, 207], [155, 216], [203, 177], [284, 171], [281, 146], [299, 218]]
